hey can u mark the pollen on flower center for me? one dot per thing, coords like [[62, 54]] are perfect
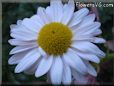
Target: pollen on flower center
[[54, 38]]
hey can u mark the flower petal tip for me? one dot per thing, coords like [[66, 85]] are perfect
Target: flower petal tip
[[37, 75], [17, 71]]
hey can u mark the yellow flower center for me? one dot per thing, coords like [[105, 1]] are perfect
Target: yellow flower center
[[54, 38]]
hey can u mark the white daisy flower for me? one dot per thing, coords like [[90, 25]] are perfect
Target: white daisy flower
[[56, 41]]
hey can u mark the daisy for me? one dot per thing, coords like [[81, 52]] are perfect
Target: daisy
[[58, 42]]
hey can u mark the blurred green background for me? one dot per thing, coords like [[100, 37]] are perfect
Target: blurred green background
[[11, 12]]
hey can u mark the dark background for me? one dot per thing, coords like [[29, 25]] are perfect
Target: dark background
[[11, 12]]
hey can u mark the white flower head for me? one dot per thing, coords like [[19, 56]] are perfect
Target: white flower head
[[58, 42]]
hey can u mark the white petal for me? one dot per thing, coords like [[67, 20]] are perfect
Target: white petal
[[50, 14], [98, 40], [32, 68], [78, 16], [66, 75], [27, 61], [57, 10], [22, 29], [41, 12], [44, 66], [64, 6], [86, 21], [28, 23], [87, 29], [56, 71], [42, 52], [97, 32], [68, 12], [19, 22], [12, 26], [92, 28], [22, 48], [21, 32], [89, 18], [82, 37], [91, 69], [20, 42], [88, 56], [80, 78], [74, 61], [23, 37], [87, 47], [87, 38], [37, 22], [15, 59]]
